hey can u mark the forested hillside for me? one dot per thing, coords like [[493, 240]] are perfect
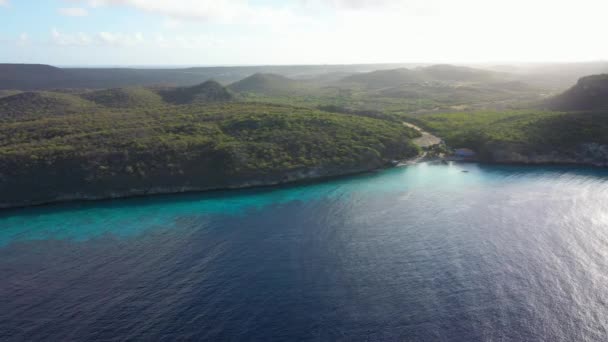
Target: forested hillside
[[112, 151], [269, 129], [589, 93], [526, 136]]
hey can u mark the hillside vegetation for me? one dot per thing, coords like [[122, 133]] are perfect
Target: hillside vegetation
[[269, 129], [396, 91], [589, 93], [384, 78], [392, 89], [526, 136], [124, 97], [575, 134], [210, 91], [30, 105], [270, 84], [42, 104], [118, 152], [435, 73], [46, 77]]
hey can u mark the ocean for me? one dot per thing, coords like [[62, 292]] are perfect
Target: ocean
[[459, 252]]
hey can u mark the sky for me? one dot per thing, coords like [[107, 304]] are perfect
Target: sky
[[254, 32]]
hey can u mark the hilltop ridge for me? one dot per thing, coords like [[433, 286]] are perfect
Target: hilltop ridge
[[435, 73], [209, 91], [264, 83], [589, 93]]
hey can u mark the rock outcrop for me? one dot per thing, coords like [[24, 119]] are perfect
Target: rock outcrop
[[591, 154]]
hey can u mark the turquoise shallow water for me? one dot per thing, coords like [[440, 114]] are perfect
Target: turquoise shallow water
[[426, 252], [130, 217]]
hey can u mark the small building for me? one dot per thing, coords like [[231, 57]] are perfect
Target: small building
[[464, 153]]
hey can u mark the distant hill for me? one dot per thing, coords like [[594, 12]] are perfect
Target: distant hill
[[30, 104], [28, 77], [554, 76], [5, 93], [385, 78], [210, 91], [434, 73], [264, 84], [589, 93], [446, 72], [33, 76], [46, 77], [124, 97]]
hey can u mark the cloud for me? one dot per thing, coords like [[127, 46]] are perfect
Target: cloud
[[363, 31], [131, 40], [4, 3], [97, 39], [73, 11], [70, 39], [120, 39], [361, 4], [187, 9], [223, 11]]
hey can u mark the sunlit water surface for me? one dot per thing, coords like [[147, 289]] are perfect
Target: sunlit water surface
[[421, 253]]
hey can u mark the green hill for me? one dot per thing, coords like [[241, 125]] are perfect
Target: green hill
[[175, 148], [436, 73], [124, 97], [384, 78], [210, 91], [526, 136], [589, 93], [45, 77], [268, 84], [453, 73], [40, 104]]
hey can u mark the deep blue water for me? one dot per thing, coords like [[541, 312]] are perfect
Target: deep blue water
[[421, 253]]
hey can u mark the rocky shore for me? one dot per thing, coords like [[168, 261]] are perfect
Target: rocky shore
[[105, 193], [591, 154]]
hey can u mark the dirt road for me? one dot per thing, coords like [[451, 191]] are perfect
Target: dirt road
[[426, 140]]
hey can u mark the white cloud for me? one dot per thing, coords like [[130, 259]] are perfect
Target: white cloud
[[188, 9], [223, 11], [3, 3], [131, 40], [97, 39], [356, 4], [70, 39], [73, 11], [347, 31]]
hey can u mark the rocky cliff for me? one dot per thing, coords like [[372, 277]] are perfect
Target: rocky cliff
[[591, 154]]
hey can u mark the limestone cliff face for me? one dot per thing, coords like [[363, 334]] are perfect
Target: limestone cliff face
[[591, 154], [122, 187]]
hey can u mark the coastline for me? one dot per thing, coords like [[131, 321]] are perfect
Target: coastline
[[309, 176], [314, 174], [305, 176], [192, 183]]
